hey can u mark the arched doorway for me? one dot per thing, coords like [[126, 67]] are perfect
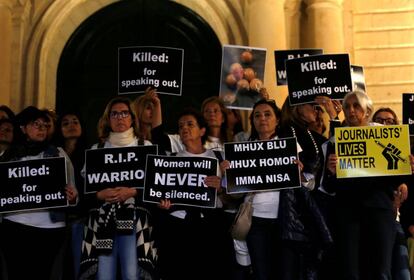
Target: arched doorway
[[87, 71]]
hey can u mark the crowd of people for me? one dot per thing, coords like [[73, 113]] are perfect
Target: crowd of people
[[328, 228]]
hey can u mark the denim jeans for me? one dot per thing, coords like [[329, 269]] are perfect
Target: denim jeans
[[77, 238], [124, 248], [264, 243]]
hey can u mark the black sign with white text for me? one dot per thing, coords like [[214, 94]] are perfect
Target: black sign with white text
[[282, 55], [111, 167], [181, 180], [33, 184], [325, 75], [160, 67], [408, 111], [262, 165]]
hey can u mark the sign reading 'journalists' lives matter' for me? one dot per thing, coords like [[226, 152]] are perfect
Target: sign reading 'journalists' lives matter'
[[33, 184], [282, 55], [326, 75], [144, 66], [181, 180], [408, 110], [111, 167], [368, 151], [262, 165]]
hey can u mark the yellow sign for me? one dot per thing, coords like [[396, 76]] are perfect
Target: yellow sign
[[372, 151]]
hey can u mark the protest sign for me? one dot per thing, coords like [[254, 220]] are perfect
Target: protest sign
[[262, 165], [112, 167], [372, 151], [408, 111], [143, 66], [282, 55], [33, 184], [242, 76], [358, 78], [326, 75], [181, 180]]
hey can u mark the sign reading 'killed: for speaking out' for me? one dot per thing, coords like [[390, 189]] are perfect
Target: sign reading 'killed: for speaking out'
[[326, 75], [144, 66], [33, 184]]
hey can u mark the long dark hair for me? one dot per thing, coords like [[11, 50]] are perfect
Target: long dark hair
[[254, 134]]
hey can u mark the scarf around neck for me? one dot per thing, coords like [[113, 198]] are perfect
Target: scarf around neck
[[121, 138]]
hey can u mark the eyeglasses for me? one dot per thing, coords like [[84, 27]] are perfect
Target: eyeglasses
[[6, 129], [40, 125], [117, 115], [387, 121]]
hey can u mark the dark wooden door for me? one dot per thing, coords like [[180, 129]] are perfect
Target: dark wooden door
[[87, 71]]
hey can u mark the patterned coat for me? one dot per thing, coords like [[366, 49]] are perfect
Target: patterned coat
[[146, 251]]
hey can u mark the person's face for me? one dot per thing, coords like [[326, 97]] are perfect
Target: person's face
[[264, 120], [36, 130], [354, 114], [120, 117], [189, 129], [231, 118], [385, 118], [6, 132], [213, 115], [146, 116], [307, 112], [71, 127]]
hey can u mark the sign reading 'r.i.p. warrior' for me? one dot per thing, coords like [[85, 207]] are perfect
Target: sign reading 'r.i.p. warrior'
[[110, 167]]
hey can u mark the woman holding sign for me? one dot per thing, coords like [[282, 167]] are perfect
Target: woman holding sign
[[27, 233], [365, 214], [189, 248], [116, 224], [264, 237]]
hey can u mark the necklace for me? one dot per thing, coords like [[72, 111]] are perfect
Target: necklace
[[313, 141], [311, 137]]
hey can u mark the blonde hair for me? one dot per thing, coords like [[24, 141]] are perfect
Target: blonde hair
[[140, 103]]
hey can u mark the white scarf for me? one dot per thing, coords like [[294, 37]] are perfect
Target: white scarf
[[121, 139]]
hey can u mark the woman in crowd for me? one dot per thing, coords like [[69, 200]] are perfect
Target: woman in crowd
[[70, 137], [189, 248], [400, 263], [26, 233], [144, 107], [305, 233], [7, 132], [234, 253], [264, 237], [51, 120], [6, 112], [119, 217], [364, 209]]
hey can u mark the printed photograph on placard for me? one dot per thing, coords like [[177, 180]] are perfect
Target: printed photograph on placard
[[242, 76]]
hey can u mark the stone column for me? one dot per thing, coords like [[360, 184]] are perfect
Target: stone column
[[266, 29], [6, 28], [293, 16], [324, 25]]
